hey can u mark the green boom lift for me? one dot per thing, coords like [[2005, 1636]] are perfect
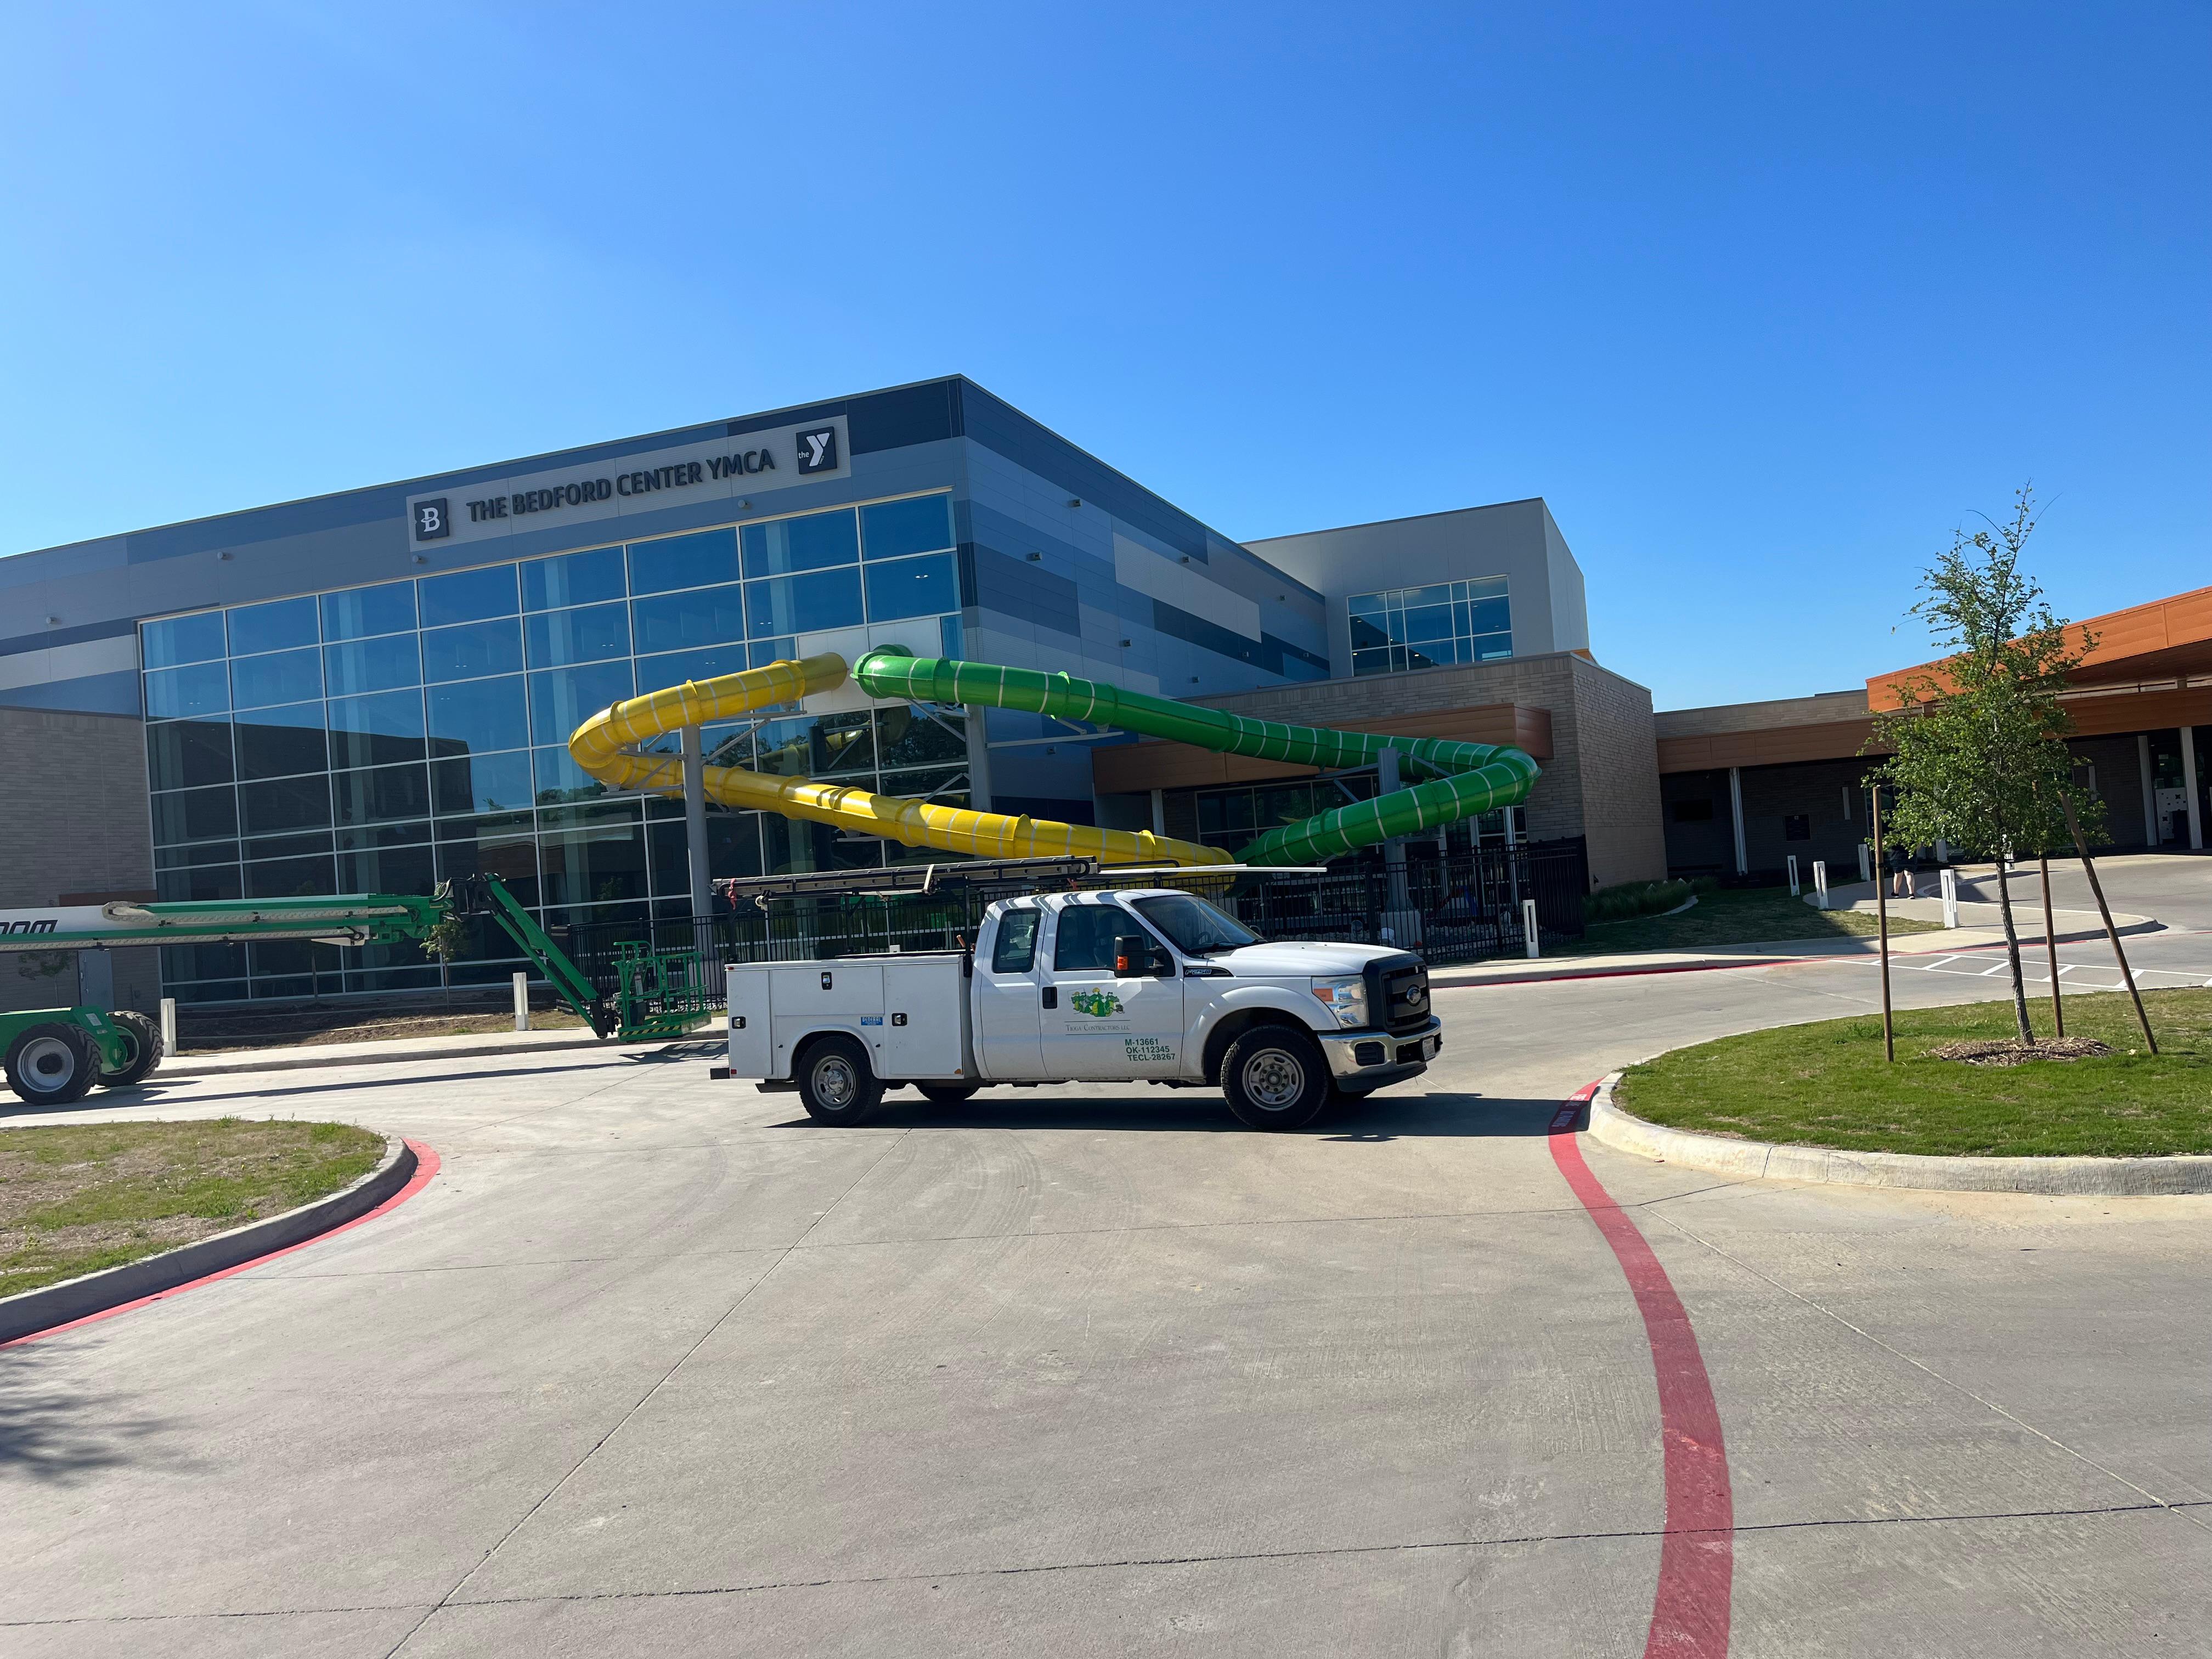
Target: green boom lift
[[54, 1055]]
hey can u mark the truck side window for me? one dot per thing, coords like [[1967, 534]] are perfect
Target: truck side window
[[1015, 952], [1087, 931]]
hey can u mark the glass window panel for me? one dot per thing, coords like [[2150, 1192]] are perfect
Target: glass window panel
[[1488, 647], [595, 863], [949, 638], [1371, 662], [176, 639], [654, 672], [284, 804], [1486, 587], [592, 635], [733, 846], [564, 698], [481, 783], [1427, 622], [467, 595], [289, 879], [1489, 616], [791, 844], [813, 543], [192, 962], [490, 849], [1407, 598], [916, 736], [376, 731], [684, 561], [919, 526], [668, 858], [376, 838], [195, 815], [477, 716], [817, 745], [359, 612], [1366, 634], [288, 847], [572, 579], [761, 652], [1373, 607], [281, 625], [559, 781], [285, 677], [204, 852], [276, 743], [677, 622], [382, 794], [913, 587], [388, 870], [181, 754], [378, 664], [802, 604], [1416, 658], [210, 881], [933, 784], [180, 693], [465, 654]]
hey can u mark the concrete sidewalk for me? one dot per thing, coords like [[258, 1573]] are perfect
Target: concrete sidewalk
[[393, 1051]]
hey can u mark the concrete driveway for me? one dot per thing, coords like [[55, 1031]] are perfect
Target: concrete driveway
[[654, 1367]]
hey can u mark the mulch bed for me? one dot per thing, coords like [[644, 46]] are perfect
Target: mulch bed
[[2013, 1052]]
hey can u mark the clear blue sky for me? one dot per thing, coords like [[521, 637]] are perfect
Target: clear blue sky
[[1763, 302]]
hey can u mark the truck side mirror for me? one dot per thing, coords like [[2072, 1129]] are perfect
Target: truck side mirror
[[1129, 949]]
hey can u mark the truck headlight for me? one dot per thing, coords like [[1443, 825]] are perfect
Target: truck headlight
[[1345, 996]]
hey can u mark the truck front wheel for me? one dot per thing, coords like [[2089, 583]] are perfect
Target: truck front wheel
[[836, 1083], [1275, 1078]]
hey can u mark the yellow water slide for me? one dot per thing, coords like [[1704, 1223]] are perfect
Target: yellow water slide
[[1461, 779]]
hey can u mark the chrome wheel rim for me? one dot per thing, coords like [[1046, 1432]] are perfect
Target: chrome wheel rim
[[1273, 1078], [835, 1081], [50, 1063]]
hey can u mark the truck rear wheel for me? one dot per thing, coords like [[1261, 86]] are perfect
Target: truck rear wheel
[[836, 1082], [1275, 1078], [146, 1050], [51, 1065], [947, 1094]]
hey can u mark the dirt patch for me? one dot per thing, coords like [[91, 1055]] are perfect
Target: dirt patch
[[75, 1200], [205, 1033], [2013, 1052]]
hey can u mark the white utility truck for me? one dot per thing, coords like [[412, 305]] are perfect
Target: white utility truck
[[1151, 985]]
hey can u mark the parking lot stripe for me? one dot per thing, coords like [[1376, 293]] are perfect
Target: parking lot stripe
[[426, 1165], [1696, 1554]]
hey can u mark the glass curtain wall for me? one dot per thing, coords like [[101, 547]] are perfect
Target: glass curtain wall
[[379, 739], [1431, 626]]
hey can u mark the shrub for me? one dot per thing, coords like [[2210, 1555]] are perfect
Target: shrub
[[1642, 898]]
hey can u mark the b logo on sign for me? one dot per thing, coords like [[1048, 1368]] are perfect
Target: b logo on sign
[[818, 450], [431, 521]]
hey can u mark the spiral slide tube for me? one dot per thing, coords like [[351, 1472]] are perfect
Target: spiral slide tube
[[1466, 778]]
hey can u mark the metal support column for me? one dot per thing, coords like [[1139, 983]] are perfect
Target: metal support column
[[1159, 811], [695, 822], [2189, 782], [2149, 790], [1736, 816]]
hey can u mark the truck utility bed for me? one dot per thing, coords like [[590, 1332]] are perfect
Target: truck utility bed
[[909, 1011]]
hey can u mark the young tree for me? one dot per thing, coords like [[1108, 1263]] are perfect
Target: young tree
[[1980, 758]]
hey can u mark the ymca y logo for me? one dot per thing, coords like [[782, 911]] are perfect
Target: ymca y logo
[[817, 451], [431, 521]]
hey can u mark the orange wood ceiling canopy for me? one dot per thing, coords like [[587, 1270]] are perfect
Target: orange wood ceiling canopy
[[2165, 640]]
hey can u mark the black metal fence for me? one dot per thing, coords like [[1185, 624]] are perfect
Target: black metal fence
[[1459, 908]]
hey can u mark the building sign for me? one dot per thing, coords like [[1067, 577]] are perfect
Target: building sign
[[733, 468]]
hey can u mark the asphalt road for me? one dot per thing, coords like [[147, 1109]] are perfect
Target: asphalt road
[[655, 1367]]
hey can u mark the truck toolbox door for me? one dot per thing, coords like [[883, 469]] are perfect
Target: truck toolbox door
[[1005, 992], [1108, 1024]]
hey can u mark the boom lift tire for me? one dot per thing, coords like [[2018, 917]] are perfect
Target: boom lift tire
[[146, 1049], [52, 1064], [836, 1082], [947, 1094], [1275, 1078]]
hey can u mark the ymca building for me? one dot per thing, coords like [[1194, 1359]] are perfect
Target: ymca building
[[372, 691]]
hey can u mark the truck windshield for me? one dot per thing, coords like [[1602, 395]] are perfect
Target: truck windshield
[[1197, 928]]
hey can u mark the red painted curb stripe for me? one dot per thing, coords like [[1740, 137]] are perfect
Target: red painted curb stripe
[[1697, 1556], [426, 1165]]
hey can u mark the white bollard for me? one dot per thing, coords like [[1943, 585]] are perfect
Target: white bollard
[[1794, 892], [1950, 877], [1821, 881], [169, 1025], [522, 1002], [1528, 924], [1865, 862]]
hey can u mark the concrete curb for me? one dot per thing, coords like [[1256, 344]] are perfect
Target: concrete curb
[[2051, 1177], [230, 1063], [32, 1312]]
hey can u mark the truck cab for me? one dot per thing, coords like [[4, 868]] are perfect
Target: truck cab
[[1152, 985]]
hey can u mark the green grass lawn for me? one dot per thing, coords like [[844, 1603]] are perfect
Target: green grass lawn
[[1755, 915], [1827, 1085], [75, 1199]]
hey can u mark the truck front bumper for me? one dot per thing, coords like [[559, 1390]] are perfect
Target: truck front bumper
[[1360, 1061]]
